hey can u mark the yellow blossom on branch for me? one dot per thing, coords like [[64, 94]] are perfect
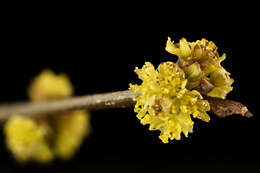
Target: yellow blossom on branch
[[201, 63], [27, 140], [165, 103], [71, 128], [49, 86]]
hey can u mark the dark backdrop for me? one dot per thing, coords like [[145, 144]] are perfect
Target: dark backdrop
[[101, 58]]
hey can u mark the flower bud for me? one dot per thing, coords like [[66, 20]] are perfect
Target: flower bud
[[193, 71], [172, 48], [197, 52], [185, 48]]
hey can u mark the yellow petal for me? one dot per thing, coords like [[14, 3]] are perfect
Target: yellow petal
[[171, 48]]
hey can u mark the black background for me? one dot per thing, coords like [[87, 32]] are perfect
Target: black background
[[101, 57]]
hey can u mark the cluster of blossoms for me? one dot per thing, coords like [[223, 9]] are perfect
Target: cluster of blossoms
[[49, 136], [170, 94], [200, 61]]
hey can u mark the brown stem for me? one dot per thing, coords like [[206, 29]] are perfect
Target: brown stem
[[225, 108], [120, 99]]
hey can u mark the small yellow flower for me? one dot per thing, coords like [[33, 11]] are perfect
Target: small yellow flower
[[165, 103], [200, 61], [27, 140], [49, 86], [70, 132]]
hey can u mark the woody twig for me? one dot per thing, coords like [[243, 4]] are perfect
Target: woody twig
[[120, 99]]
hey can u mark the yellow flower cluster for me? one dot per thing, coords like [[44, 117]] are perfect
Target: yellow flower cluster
[[200, 61], [165, 103], [49, 86], [70, 130], [54, 135], [27, 140]]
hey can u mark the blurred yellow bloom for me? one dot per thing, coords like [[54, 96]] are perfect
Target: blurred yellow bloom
[[165, 103], [55, 135], [200, 61], [70, 130], [27, 140], [49, 86]]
